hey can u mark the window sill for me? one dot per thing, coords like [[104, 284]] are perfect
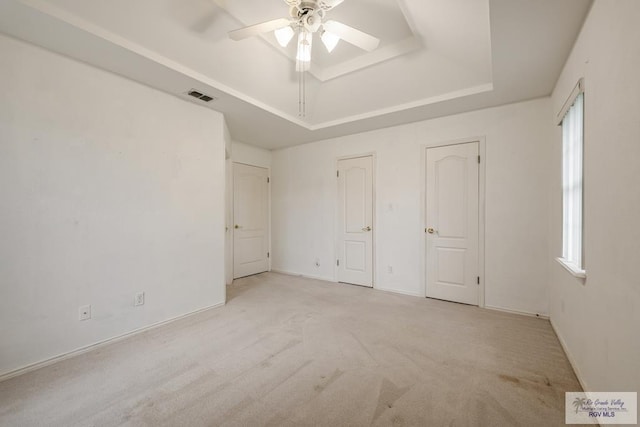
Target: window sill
[[572, 268]]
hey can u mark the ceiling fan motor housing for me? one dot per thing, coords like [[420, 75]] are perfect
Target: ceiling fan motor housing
[[312, 20], [314, 4], [309, 14]]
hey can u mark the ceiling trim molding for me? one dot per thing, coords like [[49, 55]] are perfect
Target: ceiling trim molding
[[409, 105], [407, 17], [378, 56]]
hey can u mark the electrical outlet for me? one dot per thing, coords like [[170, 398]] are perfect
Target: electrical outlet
[[84, 312], [139, 300], [390, 269]]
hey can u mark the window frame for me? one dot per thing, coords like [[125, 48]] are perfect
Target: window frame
[[576, 266]]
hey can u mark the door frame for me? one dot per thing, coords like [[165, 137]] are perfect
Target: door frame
[[374, 218], [232, 210], [481, 209], [228, 219]]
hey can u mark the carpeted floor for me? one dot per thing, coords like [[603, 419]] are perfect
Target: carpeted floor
[[288, 351]]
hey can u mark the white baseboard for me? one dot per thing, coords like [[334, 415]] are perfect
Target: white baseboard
[[99, 344], [576, 371], [396, 291], [412, 294], [332, 280], [306, 276], [522, 313]]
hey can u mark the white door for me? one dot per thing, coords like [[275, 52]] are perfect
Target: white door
[[452, 223], [355, 221], [251, 220]]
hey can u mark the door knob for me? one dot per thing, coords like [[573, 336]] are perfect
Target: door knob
[[367, 228], [237, 226], [430, 230]]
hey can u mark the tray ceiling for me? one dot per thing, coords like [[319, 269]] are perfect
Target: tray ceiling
[[435, 57]]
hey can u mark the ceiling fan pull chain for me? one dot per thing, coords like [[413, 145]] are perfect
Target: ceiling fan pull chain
[[299, 95], [300, 90], [304, 94]]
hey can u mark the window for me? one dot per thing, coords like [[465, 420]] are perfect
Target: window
[[572, 183]]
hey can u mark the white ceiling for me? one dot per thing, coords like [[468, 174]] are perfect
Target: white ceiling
[[436, 57]]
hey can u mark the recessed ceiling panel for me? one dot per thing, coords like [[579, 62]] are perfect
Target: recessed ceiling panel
[[404, 69], [435, 57]]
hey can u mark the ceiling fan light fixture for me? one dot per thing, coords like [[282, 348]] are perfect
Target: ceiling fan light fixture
[[284, 35], [304, 46], [329, 40], [307, 18]]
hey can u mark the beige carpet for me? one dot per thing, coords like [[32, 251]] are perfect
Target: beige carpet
[[288, 351]]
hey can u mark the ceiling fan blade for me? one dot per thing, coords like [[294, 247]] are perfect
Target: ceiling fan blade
[[329, 4], [351, 35], [257, 29]]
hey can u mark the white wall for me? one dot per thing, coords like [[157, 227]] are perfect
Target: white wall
[[250, 155], [107, 188], [304, 194], [598, 320]]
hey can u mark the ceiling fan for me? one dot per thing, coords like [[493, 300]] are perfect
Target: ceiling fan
[[307, 18]]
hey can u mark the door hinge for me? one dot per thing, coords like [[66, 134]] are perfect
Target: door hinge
[[478, 159], [267, 254], [478, 280], [338, 174], [268, 180], [338, 262]]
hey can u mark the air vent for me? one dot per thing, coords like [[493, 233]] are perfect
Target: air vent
[[200, 96]]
